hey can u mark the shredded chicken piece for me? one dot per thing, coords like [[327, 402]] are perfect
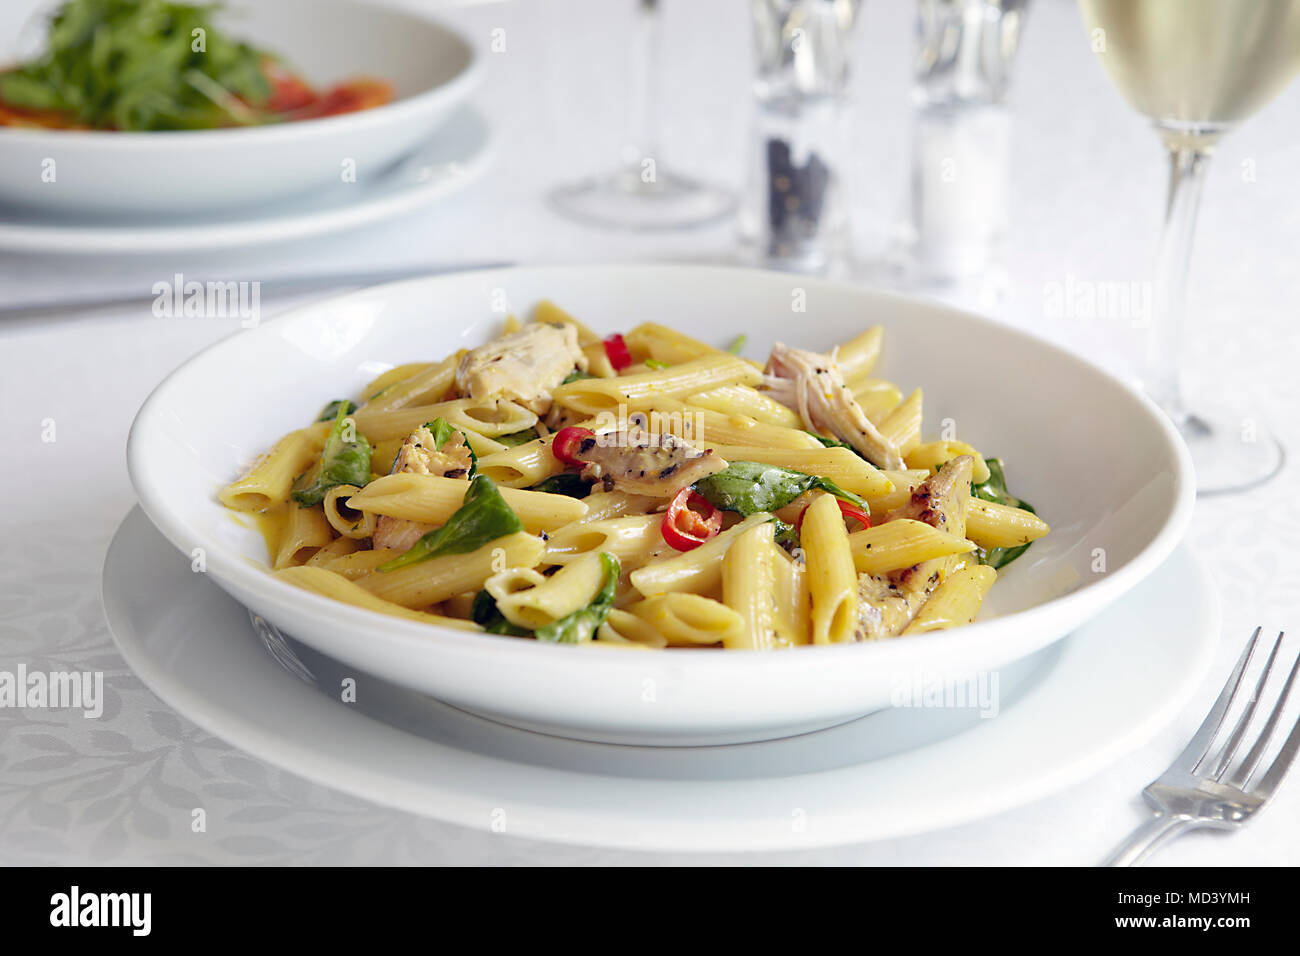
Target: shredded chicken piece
[[888, 602], [812, 385], [523, 366], [420, 455], [644, 463]]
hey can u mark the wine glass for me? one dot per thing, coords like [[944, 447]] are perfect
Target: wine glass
[[1196, 68], [640, 194]]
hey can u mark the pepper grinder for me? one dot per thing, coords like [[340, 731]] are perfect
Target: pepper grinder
[[794, 216]]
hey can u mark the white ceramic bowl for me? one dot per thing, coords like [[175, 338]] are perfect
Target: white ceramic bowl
[[432, 68], [1099, 461]]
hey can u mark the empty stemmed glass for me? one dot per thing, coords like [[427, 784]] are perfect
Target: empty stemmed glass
[[1196, 68], [641, 194]]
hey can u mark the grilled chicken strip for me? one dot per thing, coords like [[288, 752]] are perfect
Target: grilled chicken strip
[[420, 455], [641, 463], [523, 366], [811, 384], [888, 602]]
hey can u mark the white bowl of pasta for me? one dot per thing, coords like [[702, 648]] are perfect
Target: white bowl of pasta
[[579, 527]]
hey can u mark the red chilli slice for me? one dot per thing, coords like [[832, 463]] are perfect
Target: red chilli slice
[[567, 442], [617, 351], [684, 528]]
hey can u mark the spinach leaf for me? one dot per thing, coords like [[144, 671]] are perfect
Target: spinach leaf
[[995, 490], [484, 613], [748, 487], [738, 344], [655, 364], [576, 375], [566, 483], [483, 516], [344, 461], [331, 411], [581, 625], [518, 438]]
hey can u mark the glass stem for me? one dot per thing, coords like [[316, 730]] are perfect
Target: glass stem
[[642, 114], [1167, 336]]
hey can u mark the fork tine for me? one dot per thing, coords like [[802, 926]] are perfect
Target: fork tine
[[1243, 723], [1199, 745], [1285, 757]]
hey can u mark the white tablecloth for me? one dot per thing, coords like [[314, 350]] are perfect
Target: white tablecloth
[[1088, 184]]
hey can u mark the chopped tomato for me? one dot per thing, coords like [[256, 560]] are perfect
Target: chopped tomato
[[567, 442], [617, 351], [685, 528]]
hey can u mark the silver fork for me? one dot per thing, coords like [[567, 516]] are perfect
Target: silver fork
[[1197, 790]]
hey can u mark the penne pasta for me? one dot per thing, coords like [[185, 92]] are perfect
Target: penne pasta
[[750, 402], [638, 391], [487, 418], [696, 571], [954, 602], [305, 532], [749, 589], [858, 356], [991, 525], [902, 543], [327, 583], [902, 426], [842, 465], [270, 480], [430, 499], [688, 619], [832, 579], [932, 456], [436, 580], [347, 521]]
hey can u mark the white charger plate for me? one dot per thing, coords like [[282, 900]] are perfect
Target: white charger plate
[[453, 158], [1065, 713]]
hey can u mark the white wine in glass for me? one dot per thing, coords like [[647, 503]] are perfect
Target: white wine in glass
[[1196, 68]]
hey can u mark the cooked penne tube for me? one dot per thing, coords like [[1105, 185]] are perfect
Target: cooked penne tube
[[270, 480], [398, 373], [428, 384], [743, 400], [435, 580], [360, 563], [529, 600], [904, 482], [841, 465], [902, 543], [688, 619], [432, 500], [696, 571], [902, 426], [935, 454], [832, 580], [616, 504], [749, 588], [954, 602], [858, 356], [522, 466], [338, 548], [628, 629], [488, 418], [632, 539], [793, 603], [659, 342], [592, 396], [305, 532], [332, 585], [876, 397], [349, 522], [991, 525]]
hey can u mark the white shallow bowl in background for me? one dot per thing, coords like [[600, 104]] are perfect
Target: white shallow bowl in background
[[1101, 463], [432, 68]]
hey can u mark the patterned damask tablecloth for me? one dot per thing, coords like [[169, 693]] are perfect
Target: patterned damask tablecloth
[[121, 788]]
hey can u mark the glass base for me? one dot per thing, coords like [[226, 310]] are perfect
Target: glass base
[[623, 200], [1231, 454]]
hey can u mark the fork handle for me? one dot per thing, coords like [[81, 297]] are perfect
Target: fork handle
[[1143, 841]]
